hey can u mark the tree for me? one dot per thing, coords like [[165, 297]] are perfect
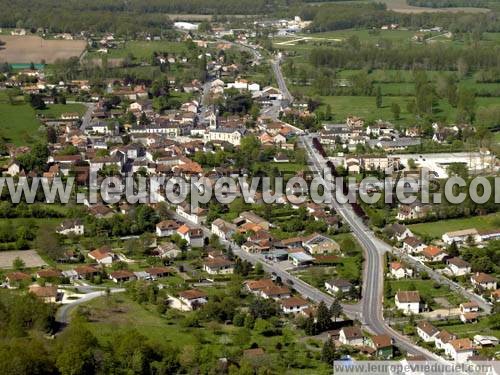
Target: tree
[[378, 98], [323, 318], [328, 351], [412, 164], [396, 110], [76, 347], [48, 242], [336, 309], [466, 105], [453, 250], [309, 326], [18, 264]]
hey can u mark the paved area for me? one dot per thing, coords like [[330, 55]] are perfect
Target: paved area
[[29, 257]]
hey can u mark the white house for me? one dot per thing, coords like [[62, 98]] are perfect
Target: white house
[[218, 266], [399, 271], [408, 302], [351, 336], [193, 235], [196, 215], [483, 281], [458, 267], [74, 226], [459, 349], [223, 229], [338, 285], [443, 338], [412, 245], [167, 228], [399, 231], [192, 299], [293, 305], [426, 331], [102, 256], [461, 236]]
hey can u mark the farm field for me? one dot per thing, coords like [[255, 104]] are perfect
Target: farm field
[[56, 110], [436, 230], [32, 48]]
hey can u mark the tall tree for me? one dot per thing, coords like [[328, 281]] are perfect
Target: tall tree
[[378, 98]]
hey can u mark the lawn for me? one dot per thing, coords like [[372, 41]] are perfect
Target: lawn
[[437, 229], [143, 50], [427, 289], [482, 327], [18, 122], [56, 110]]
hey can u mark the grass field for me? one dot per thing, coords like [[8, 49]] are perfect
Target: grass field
[[32, 48], [365, 106], [56, 110], [143, 50], [470, 330], [110, 314], [427, 290], [436, 230], [18, 123]]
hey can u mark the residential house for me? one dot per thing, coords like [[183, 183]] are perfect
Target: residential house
[[255, 286], [459, 349], [399, 271], [102, 255], [413, 245], [383, 346], [167, 228], [433, 254], [195, 215], [275, 292], [462, 236], [48, 274], [399, 232], [458, 267], [14, 278], [338, 285], [408, 302], [167, 250], [412, 211], [426, 331], [193, 235], [223, 229], [218, 266], [85, 272], [483, 281], [317, 244], [47, 294], [351, 336], [485, 341], [71, 226], [443, 338], [158, 272], [250, 217], [293, 305], [193, 298], [122, 276]]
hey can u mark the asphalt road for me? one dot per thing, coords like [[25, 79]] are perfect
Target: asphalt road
[[373, 274]]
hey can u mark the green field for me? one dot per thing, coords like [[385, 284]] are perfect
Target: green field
[[483, 327], [365, 107], [18, 123], [111, 314], [143, 50], [436, 230], [427, 289], [56, 110]]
